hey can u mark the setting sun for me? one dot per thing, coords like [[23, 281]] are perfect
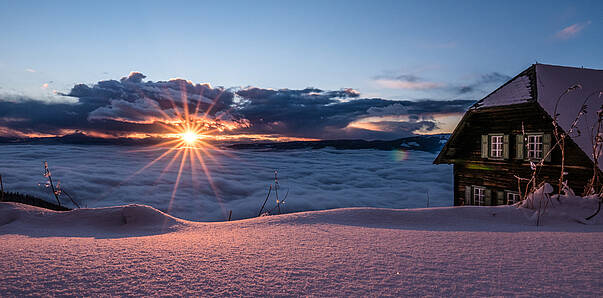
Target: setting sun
[[190, 137]]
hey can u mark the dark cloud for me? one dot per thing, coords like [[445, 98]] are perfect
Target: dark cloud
[[405, 81], [305, 113], [133, 105], [411, 81], [484, 80], [401, 77], [114, 107]]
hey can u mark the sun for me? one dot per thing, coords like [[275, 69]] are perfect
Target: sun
[[186, 145], [189, 137]]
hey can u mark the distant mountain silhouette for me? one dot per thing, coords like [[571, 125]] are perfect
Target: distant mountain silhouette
[[80, 139], [431, 143]]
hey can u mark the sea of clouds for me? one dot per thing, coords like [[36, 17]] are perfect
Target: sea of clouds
[[100, 176]]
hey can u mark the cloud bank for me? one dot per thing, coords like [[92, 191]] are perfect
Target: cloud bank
[[315, 179], [132, 106]]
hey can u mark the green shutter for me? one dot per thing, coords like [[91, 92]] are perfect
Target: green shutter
[[488, 198], [485, 146], [506, 146], [546, 146], [519, 146], [467, 195], [500, 198]]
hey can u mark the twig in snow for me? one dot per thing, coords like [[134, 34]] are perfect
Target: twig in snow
[[266, 200], [47, 174]]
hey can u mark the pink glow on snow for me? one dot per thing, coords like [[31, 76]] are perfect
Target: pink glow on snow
[[454, 251]]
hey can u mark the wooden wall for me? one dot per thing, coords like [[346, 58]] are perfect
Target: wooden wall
[[464, 151]]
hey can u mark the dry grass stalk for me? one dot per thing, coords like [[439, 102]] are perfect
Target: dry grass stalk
[[57, 191], [1, 189], [560, 137]]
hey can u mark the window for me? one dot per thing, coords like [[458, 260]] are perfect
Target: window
[[534, 146], [496, 146], [512, 198], [479, 193]]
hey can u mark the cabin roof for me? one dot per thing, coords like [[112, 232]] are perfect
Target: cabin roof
[[558, 90]]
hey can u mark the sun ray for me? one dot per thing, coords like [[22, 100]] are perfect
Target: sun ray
[[193, 169], [153, 162], [175, 189], [184, 98], [186, 126], [213, 104], [169, 165], [210, 181]]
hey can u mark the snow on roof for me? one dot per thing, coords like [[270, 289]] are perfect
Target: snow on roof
[[516, 91], [552, 81]]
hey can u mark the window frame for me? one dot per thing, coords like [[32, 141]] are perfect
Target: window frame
[[478, 195], [500, 146], [513, 194], [535, 150]]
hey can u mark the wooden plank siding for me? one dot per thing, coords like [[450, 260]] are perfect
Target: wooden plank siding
[[464, 150]]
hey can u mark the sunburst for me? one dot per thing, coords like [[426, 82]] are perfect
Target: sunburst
[[186, 144]]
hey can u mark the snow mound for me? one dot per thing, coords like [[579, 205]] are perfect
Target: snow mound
[[567, 214], [131, 220], [459, 219], [562, 208]]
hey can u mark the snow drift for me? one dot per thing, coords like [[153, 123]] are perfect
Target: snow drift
[[566, 214], [449, 251], [555, 208], [131, 220]]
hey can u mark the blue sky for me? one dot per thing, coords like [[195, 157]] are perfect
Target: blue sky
[[287, 44], [388, 49]]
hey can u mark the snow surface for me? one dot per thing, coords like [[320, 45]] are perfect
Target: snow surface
[[446, 251], [517, 91]]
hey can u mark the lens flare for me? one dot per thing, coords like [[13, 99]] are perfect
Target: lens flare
[[400, 155]]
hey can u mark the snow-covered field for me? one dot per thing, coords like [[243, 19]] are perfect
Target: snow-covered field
[[446, 251], [100, 176]]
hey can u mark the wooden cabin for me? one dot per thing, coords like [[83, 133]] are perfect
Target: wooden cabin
[[500, 135]]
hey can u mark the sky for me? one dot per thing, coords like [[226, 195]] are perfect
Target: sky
[[306, 69]]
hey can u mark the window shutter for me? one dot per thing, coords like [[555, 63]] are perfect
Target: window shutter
[[519, 146], [500, 198], [506, 146], [488, 198], [546, 146], [467, 195], [485, 146]]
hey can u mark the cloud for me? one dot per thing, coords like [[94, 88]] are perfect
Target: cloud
[[132, 105], [572, 30], [405, 81], [116, 108], [483, 81], [315, 113], [30, 70], [413, 82], [317, 179]]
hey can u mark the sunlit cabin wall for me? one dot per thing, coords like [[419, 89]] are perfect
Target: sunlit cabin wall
[[498, 175]]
